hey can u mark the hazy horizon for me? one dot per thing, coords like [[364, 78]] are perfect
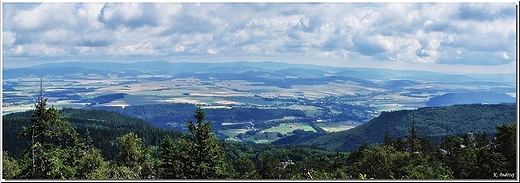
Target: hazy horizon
[[360, 66], [471, 37]]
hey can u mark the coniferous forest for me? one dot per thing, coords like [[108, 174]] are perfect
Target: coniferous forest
[[44, 144]]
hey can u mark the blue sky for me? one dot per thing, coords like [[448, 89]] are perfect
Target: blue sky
[[446, 37]]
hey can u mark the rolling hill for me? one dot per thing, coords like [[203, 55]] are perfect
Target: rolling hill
[[105, 128], [432, 122], [469, 98]]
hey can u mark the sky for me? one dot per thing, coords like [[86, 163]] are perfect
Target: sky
[[463, 37]]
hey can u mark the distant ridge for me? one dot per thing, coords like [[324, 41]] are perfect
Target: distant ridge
[[171, 68], [470, 98]]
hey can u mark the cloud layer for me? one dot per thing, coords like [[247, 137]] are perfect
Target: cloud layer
[[482, 34]]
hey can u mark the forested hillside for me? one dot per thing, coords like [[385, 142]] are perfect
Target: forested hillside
[[432, 122], [104, 127], [173, 115]]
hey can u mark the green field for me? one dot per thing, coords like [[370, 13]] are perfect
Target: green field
[[287, 128], [231, 133], [263, 137], [271, 134]]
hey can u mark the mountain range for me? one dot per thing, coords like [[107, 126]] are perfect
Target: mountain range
[[297, 70]]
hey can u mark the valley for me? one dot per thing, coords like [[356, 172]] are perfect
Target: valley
[[331, 99]]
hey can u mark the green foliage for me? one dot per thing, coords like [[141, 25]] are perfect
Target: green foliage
[[46, 126], [200, 148], [268, 169], [198, 153], [54, 145], [134, 158], [101, 171], [409, 158], [506, 140], [488, 163], [384, 162], [104, 130], [245, 168], [377, 161], [10, 167], [169, 166], [434, 170], [122, 172], [54, 164], [91, 164], [461, 159], [484, 159]]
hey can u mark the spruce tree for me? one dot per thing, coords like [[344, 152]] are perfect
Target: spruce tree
[[53, 152], [135, 158], [170, 166], [506, 140], [200, 154]]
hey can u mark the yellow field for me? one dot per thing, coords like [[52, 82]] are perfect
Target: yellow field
[[338, 126], [118, 103], [17, 108], [56, 104]]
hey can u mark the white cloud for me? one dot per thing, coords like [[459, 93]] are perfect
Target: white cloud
[[178, 48], [85, 50], [122, 12], [144, 48], [96, 38], [29, 19], [36, 50], [196, 43], [212, 51], [88, 14], [404, 32], [166, 12], [116, 14], [251, 49], [8, 38], [504, 55], [54, 36], [44, 16]]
